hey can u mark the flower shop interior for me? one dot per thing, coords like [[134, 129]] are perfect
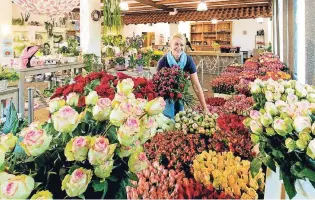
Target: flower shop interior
[[87, 103]]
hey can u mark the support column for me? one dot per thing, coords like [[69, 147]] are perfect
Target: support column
[[309, 42], [90, 31], [5, 29]]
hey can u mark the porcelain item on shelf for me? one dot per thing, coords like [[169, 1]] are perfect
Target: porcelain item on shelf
[[3, 85]]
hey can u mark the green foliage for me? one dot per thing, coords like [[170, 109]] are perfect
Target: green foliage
[[89, 61], [119, 60], [112, 16], [8, 74], [71, 50]]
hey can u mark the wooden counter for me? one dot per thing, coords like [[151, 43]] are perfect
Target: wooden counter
[[214, 62]]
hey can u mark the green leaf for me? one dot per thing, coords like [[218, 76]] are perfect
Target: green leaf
[[313, 183], [37, 184], [12, 122], [81, 196], [308, 173], [289, 185], [122, 193], [132, 176], [112, 134], [269, 162], [105, 189], [277, 153], [74, 167], [255, 166], [98, 186], [113, 178]]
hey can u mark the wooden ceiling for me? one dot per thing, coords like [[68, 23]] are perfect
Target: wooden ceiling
[[144, 6]]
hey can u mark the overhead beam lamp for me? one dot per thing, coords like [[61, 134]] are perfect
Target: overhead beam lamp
[[123, 5], [202, 6]]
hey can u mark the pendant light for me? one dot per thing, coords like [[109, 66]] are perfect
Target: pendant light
[[123, 5], [202, 6]]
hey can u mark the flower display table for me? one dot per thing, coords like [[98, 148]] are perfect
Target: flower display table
[[147, 72], [9, 93], [23, 72], [213, 62]]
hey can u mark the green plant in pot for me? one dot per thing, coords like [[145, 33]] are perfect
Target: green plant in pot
[[7, 75], [119, 62], [71, 51], [89, 61]]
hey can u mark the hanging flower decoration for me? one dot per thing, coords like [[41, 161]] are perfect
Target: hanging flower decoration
[[47, 7]]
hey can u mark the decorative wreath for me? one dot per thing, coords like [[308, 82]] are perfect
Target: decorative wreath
[[96, 15]]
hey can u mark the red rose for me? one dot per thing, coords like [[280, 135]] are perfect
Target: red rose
[[172, 95], [101, 89], [181, 86], [68, 90], [80, 79], [78, 88], [104, 80], [111, 77], [138, 95], [110, 91], [111, 96], [150, 96], [59, 90], [115, 82], [179, 95], [81, 102], [94, 75]]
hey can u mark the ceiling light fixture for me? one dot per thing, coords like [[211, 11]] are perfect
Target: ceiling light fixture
[[202, 6], [123, 5], [260, 20], [214, 21]]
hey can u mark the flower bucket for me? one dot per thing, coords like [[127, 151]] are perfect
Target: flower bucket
[[120, 67], [70, 59], [3, 85], [224, 96]]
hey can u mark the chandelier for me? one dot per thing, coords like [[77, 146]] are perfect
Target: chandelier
[[48, 7]]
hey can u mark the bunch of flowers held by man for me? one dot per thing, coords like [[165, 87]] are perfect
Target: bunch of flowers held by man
[[172, 83]]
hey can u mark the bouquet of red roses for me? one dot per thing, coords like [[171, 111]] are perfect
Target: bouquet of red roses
[[173, 83], [105, 85]]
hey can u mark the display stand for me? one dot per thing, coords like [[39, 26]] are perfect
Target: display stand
[[23, 72]]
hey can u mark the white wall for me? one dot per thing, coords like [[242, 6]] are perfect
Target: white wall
[[247, 42], [5, 28], [159, 28]]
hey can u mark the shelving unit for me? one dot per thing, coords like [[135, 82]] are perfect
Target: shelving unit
[[203, 34], [259, 41], [24, 35]]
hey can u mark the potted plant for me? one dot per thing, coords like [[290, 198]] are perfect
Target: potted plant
[[139, 61], [120, 62], [70, 52], [5, 76]]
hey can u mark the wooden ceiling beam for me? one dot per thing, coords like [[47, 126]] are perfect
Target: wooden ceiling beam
[[163, 2], [151, 3]]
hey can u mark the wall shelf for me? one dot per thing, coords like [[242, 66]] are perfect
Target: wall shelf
[[206, 32]]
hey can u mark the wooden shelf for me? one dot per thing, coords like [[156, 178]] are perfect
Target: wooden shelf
[[210, 33]]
